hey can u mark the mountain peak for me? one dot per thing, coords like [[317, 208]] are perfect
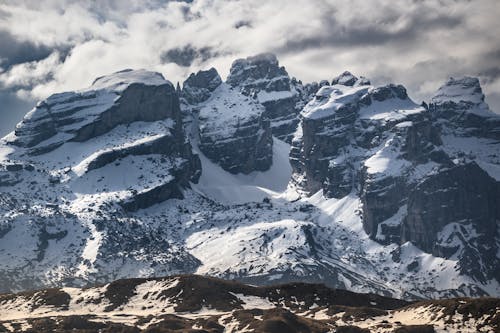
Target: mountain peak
[[79, 115], [248, 71], [462, 90], [197, 87], [263, 58], [120, 80], [349, 79], [121, 180]]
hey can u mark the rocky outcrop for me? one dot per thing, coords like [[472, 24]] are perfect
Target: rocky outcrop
[[460, 102], [198, 87], [121, 98], [234, 133], [452, 210], [320, 140], [344, 120], [233, 130], [348, 79], [104, 116], [408, 164], [261, 78]]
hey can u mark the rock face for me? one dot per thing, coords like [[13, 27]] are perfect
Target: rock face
[[460, 103], [106, 111], [407, 166], [198, 87], [470, 135], [261, 78], [111, 101], [344, 120], [452, 210], [114, 148], [233, 131]]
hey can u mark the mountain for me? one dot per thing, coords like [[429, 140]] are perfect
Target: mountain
[[261, 179], [190, 303]]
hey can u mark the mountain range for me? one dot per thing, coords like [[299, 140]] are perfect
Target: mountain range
[[259, 178]]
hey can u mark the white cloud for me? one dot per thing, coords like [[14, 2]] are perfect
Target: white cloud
[[417, 43]]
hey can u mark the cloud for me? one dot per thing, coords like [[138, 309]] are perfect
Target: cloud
[[186, 55], [391, 26], [418, 43], [18, 51]]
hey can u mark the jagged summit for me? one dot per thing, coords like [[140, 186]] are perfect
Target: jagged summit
[[257, 73], [348, 79], [462, 90], [461, 103], [261, 78], [198, 87]]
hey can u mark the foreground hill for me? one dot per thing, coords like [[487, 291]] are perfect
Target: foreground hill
[[191, 303]]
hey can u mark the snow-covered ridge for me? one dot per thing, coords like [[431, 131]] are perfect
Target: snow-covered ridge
[[119, 81], [329, 99], [379, 103], [94, 111], [466, 89]]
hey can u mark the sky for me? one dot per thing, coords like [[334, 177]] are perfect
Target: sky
[[49, 46]]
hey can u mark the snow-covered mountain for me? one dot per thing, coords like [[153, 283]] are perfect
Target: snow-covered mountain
[[260, 178], [190, 303]]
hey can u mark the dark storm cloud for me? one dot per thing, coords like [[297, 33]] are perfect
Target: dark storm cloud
[[14, 51], [186, 55], [242, 24], [385, 30]]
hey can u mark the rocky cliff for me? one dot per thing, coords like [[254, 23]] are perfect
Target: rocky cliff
[[261, 78], [408, 165], [233, 130]]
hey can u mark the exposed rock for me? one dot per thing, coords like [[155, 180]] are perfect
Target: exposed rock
[[452, 210], [163, 305], [248, 74], [461, 103], [342, 120], [379, 145], [95, 186], [110, 105], [120, 98], [198, 87], [234, 133], [262, 78], [348, 79]]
